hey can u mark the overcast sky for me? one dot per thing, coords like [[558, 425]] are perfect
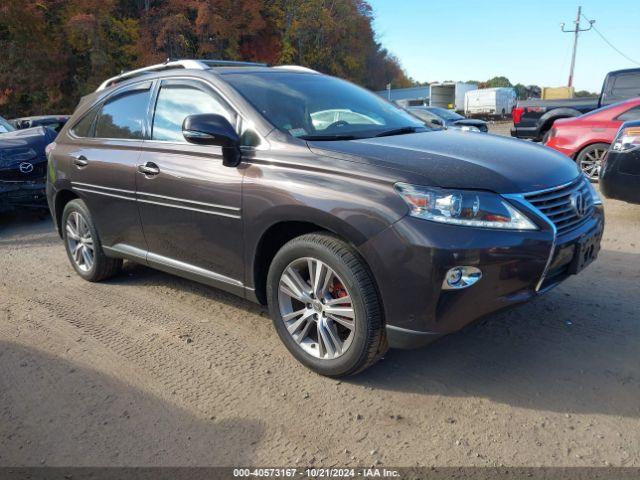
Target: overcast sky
[[478, 39]]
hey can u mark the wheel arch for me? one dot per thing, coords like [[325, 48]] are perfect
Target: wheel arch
[[275, 235], [590, 143], [61, 199], [546, 121]]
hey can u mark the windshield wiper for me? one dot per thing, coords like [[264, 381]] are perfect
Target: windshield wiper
[[327, 137], [398, 131]]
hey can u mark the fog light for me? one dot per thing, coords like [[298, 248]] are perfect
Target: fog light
[[461, 277]]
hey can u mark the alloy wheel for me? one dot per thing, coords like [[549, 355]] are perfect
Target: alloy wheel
[[316, 308], [80, 241], [591, 163]]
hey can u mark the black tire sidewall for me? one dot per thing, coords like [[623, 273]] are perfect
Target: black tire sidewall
[[353, 357], [80, 207]]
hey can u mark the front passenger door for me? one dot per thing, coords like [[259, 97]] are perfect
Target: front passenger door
[[190, 204]]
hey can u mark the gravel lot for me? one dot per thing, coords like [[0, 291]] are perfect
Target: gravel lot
[[150, 369]]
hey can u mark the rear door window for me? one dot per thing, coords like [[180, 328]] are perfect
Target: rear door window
[[175, 102], [123, 116]]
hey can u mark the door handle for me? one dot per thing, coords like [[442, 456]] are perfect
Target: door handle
[[149, 168], [80, 161]]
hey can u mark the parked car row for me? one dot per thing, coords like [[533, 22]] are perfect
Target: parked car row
[[533, 119], [436, 117], [587, 138]]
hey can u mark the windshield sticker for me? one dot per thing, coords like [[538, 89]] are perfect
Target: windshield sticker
[[298, 132]]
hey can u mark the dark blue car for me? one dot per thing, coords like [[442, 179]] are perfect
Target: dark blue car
[[436, 117], [23, 166]]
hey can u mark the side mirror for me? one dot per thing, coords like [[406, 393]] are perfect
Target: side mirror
[[437, 122], [212, 129]]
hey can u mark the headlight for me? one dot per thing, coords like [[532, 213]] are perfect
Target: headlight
[[469, 128], [463, 207], [627, 139]]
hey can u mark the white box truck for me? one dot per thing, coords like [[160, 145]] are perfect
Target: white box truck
[[449, 95], [489, 102]]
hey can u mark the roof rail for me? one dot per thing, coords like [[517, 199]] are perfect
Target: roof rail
[[231, 63], [174, 64], [297, 68], [168, 65]]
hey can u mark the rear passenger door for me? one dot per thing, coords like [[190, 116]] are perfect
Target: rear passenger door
[[190, 208], [103, 161]]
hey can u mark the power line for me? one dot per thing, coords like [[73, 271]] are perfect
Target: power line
[[611, 44]]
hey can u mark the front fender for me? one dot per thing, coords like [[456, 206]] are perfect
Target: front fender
[[330, 199]]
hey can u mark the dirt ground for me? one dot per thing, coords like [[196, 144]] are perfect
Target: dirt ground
[[150, 369]]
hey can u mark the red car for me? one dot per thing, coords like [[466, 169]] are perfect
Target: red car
[[586, 139]]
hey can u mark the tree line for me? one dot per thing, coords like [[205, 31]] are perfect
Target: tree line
[[52, 52]]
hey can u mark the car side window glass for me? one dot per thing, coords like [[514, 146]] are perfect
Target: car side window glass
[[632, 114], [175, 103], [123, 116], [84, 126], [626, 86]]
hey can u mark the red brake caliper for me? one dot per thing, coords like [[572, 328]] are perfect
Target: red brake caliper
[[337, 290]]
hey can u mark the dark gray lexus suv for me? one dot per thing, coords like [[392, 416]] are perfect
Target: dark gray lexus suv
[[358, 226]]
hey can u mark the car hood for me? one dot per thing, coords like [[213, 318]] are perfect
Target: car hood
[[458, 159], [37, 138]]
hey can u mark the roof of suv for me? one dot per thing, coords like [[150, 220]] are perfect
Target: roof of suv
[[213, 66]]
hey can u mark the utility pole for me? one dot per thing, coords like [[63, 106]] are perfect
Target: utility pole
[[576, 31]]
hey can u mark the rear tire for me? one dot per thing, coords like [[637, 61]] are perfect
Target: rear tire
[[331, 337], [83, 245], [589, 160]]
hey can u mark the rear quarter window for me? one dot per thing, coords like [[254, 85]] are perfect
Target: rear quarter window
[[123, 116], [631, 114], [84, 128]]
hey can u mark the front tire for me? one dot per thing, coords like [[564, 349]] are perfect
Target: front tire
[[324, 305], [83, 245], [590, 158]]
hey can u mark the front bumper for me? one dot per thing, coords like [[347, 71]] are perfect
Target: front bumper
[[409, 261], [568, 150], [22, 195]]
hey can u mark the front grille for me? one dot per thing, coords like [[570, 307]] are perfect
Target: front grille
[[556, 204], [10, 172]]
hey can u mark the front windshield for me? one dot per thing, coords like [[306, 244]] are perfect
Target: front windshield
[[446, 114], [319, 107], [5, 126]]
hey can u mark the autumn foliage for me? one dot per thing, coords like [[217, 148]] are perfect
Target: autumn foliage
[[54, 51]]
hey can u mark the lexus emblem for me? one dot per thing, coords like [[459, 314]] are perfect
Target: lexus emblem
[[26, 167], [579, 203]]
